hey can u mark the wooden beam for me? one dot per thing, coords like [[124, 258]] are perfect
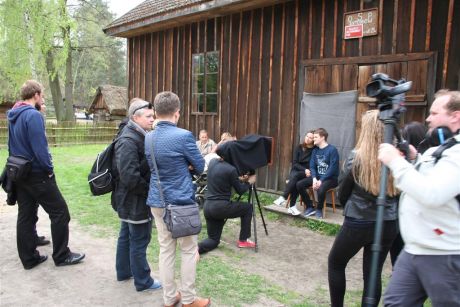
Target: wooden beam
[[428, 25], [270, 80], [447, 43], [235, 116], [189, 75], [412, 25], [379, 40], [229, 70], [334, 43], [370, 59], [221, 61], [259, 87], [248, 71], [294, 73], [343, 41], [310, 26], [395, 27], [323, 32], [280, 97]]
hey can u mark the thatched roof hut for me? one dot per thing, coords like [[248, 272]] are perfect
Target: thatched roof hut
[[110, 103]]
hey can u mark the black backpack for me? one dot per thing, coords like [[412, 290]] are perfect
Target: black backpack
[[103, 174]]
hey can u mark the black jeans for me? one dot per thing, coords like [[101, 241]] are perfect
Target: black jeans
[[216, 213], [347, 244], [325, 186], [294, 177], [38, 188]]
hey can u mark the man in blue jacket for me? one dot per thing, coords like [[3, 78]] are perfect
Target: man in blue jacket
[[175, 153], [26, 138], [324, 167]]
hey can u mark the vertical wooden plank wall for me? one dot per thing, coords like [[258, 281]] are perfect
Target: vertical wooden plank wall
[[260, 52]]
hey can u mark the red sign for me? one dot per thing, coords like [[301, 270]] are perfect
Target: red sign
[[353, 31]]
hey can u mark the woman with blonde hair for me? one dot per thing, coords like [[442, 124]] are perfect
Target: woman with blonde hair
[[358, 191]]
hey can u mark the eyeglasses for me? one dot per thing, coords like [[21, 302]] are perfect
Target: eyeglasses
[[148, 106]]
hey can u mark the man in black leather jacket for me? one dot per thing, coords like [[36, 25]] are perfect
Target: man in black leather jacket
[[130, 195]]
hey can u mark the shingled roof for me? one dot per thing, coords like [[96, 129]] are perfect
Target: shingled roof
[[151, 8], [154, 15]]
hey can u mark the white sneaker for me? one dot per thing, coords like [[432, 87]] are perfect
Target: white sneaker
[[279, 201], [293, 210]]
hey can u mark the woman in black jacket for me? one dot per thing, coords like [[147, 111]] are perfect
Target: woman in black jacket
[[358, 191], [299, 171]]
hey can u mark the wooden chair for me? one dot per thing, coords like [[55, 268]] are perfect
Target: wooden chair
[[315, 202]]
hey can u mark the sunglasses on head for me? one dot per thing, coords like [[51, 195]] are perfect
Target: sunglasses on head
[[148, 106]]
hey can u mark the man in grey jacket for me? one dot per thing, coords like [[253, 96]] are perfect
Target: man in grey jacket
[[130, 195], [429, 216]]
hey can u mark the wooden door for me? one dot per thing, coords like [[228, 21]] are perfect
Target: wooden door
[[344, 74]]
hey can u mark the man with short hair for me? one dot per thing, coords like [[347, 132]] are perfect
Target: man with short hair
[[324, 168], [26, 138], [175, 152], [429, 215], [205, 144], [129, 198]]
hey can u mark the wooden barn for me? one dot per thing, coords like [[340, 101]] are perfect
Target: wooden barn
[[110, 103], [244, 66]]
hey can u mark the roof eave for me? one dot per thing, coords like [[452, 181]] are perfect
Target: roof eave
[[184, 16]]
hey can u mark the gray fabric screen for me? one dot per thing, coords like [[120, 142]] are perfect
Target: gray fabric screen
[[334, 112]]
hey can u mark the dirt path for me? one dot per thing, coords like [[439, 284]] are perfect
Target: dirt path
[[91, 283], [290, 257]]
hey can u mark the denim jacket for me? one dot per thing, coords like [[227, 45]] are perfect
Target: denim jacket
[[175, 150]]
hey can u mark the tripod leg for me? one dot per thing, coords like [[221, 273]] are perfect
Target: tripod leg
[[260, 210], [254, 225]]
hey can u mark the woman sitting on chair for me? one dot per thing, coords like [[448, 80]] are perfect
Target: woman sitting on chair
[[300, 170], [222, 177], [358, 191]]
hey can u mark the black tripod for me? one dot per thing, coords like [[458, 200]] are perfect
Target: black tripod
[[389, 131], [390, 111], [253, 190]]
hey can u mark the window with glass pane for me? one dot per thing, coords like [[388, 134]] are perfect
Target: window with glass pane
[[205, 78]]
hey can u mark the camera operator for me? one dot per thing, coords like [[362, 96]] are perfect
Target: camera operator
[[222, 177], [429, 215]]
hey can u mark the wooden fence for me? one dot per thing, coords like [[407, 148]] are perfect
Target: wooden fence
[[70, 133]]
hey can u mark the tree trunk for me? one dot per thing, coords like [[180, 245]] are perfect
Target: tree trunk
[[69, 111], [55, 86]]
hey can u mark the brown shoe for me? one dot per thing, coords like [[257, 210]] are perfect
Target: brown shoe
[[177, 301], [199, 302]]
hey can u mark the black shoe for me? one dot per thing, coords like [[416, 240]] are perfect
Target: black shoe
[[41, 240], [40, 260], [73, 258]]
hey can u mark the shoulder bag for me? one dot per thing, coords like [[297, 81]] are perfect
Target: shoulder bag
[[180, 220]]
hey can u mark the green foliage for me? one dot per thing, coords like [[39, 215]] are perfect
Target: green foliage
[[99, 59], [32, 31]]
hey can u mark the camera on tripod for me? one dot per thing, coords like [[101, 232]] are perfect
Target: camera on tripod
[[390, 96], [389, 92]]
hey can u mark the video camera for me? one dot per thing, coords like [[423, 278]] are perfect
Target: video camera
[[389, 92], [390, 102], [248, 153]]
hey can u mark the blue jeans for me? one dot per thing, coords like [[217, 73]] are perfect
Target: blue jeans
[[131, 258]]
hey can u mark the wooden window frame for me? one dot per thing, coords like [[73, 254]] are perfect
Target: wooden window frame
[[205, 93]]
